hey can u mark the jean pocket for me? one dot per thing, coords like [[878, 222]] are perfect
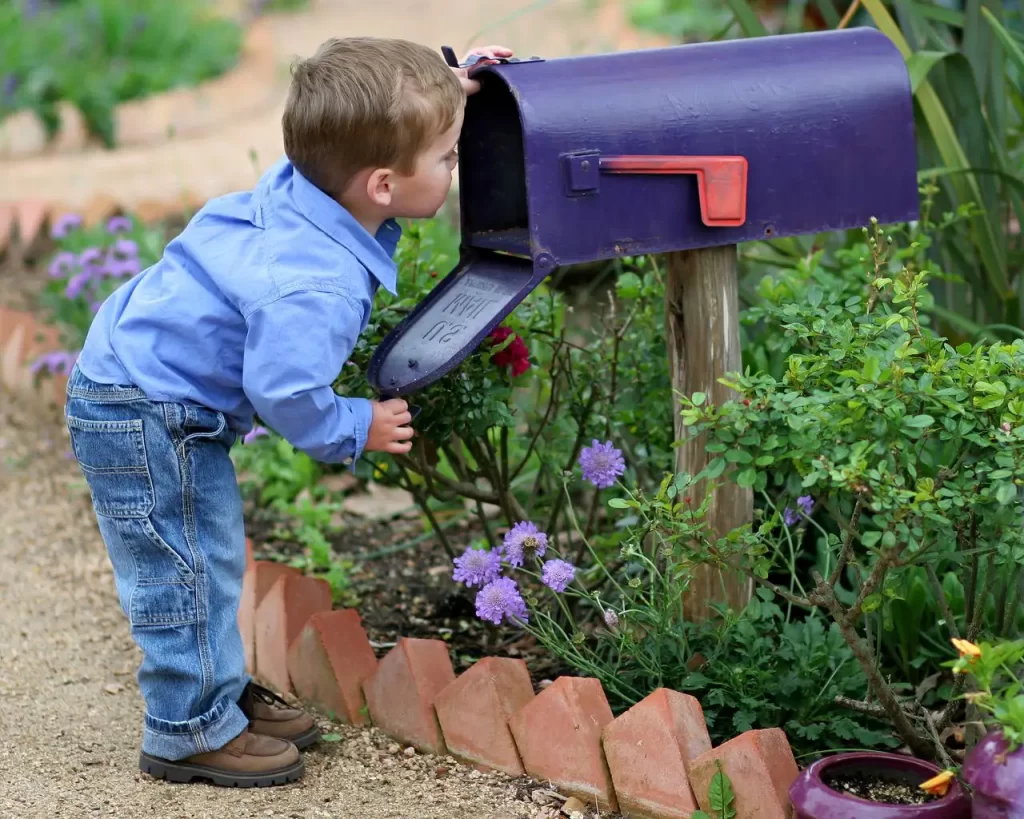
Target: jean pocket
[[112, 456], [156, 604]]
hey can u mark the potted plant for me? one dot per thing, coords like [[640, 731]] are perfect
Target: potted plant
[[876, 785], [995, 766]]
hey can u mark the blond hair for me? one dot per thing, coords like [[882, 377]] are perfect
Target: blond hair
[[366, 102]]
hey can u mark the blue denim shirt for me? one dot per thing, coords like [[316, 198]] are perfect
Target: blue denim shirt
[[256, 306]]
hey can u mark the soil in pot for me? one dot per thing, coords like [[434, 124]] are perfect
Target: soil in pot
[[885, 789]]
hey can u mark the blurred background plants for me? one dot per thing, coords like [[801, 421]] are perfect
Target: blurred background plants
[[98, 53]]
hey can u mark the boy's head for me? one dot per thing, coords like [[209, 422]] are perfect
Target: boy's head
[[374, 123]]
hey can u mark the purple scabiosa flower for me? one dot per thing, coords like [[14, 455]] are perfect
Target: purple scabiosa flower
[[254, 433], [77, 283], [90, 256], [558, 574], [522, 538], [59, 361], [805, 504], [119, 268], [64, 225], [477, 567], [611, 619], [61, 265], [602, 464], [125, 249], [500, 600], [119, 224]]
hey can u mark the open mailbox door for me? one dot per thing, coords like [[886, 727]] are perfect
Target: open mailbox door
[[451, 322]]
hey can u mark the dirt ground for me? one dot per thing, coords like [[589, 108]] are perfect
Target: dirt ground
[[71, 713]]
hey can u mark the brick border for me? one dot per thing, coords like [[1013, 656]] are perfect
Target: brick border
[[161, 117], [645, 760], [23, 338]]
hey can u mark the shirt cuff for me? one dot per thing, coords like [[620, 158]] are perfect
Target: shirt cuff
[[362, 411]]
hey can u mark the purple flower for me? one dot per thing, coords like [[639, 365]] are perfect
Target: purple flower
[[125, 248], [119, 224], [77, 283], [558, 574], [477, 567], [602, 464], [63, 226], [500, 600], [91, 255], [254, 433], [611, 619], [60, 361], [791, 517], [522, 538], [61, 265], [117, 268]]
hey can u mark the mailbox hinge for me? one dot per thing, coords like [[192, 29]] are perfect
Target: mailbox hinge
[[721, 180]]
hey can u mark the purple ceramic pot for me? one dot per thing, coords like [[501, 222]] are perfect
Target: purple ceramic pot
[[997, 779], [813, 799]]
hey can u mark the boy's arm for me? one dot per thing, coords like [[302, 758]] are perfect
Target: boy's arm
[[294, 350]]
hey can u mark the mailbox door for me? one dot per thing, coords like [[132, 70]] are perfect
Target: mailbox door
[[451, 322], [824, 121]]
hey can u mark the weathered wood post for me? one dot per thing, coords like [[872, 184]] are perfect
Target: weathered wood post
[[703, 338]]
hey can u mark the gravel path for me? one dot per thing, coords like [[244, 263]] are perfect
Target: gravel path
[[70, 710]]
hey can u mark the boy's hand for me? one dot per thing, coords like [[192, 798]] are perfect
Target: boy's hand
[[491, 51], [389, 429]]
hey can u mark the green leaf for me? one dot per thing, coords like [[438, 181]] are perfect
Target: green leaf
[[331, 737], [920, 63], [872, 602], [699, 398], [749, 22], [1006, 493], [618, 503], [721, 796], [918, 421], [747, 478]]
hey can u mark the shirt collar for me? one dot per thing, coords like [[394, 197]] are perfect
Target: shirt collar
[[374, 252]]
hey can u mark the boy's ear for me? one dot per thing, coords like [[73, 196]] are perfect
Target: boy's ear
[[380, 186]]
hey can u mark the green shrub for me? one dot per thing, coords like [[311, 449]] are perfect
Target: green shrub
[[98, 53]]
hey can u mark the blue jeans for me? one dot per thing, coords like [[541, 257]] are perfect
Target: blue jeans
[[170, 513]]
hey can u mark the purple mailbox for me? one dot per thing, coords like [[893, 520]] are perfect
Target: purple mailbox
[[585, 158]]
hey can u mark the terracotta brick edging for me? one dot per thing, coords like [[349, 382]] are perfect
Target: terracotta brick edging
[[654, 761], [248, 87], [23, 339]]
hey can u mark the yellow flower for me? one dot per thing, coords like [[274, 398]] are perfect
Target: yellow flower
[[967, 649], [938, 785]]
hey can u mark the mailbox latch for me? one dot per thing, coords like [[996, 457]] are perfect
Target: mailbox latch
[[721, 180]]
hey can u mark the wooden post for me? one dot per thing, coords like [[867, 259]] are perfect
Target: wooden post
[[703, 337]]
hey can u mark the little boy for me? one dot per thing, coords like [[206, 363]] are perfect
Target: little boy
[[255, 307]]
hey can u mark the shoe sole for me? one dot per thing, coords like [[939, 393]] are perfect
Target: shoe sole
[[183, 772], [304, 740]]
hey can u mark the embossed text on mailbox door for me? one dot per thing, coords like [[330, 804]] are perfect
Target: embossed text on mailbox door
[[451, 323]]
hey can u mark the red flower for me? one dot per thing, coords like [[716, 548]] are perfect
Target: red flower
[[515, 355]]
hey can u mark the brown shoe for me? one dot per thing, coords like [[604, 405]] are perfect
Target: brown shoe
[[271, 716], [248, 761]]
